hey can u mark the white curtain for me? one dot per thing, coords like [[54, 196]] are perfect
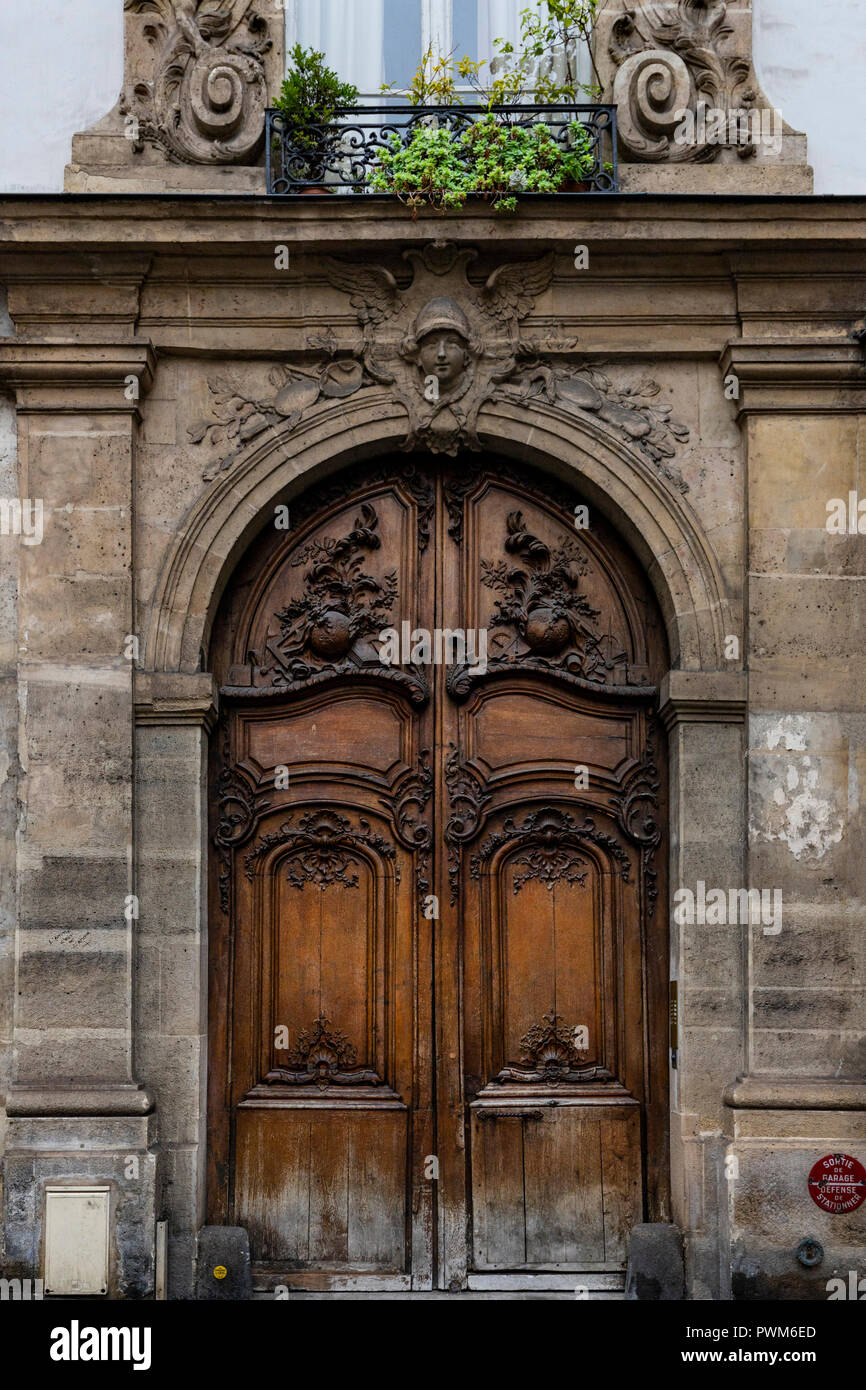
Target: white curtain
[[351, 34], [498, 19]]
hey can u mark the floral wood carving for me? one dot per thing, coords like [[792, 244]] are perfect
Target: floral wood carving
[[669, 57], [551, 829], [238, 816], [206, 102], [637, 815], [549, 866], [322, 845], [549, 1055], [327, 632], [322, 1057], [542, 621], [468, 797], [407, 813]]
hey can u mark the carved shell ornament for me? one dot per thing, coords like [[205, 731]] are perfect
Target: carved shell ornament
[[441, 347], [670, 57], [322, 1057], [207, 99], [550, 1055]]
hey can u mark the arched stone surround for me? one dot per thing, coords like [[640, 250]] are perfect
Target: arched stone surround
[[702, 707]]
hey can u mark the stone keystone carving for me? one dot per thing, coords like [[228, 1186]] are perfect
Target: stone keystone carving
[[443, 351], [206, 100]]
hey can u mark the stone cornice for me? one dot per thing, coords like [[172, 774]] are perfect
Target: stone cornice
[[176, 697], [703, 697], [791, 374], [76, 377], [90, 222]]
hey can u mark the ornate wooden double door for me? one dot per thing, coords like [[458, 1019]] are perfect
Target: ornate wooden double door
[[438, 948]]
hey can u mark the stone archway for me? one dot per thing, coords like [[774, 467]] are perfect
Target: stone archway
[[175, 707]]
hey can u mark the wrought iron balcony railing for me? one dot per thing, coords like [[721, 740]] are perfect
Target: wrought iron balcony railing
[[341, 157]]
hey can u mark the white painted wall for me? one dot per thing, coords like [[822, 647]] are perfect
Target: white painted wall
[[61, 68], [810, 57]]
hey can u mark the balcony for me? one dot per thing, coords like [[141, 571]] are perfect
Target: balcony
[[343, 157]]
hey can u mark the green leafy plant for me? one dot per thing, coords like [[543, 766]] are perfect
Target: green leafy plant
[[549, 40], [491, 157], [309, 99], [431, 168], [508, 159]]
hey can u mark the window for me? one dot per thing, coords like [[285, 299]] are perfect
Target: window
[[371, 42]]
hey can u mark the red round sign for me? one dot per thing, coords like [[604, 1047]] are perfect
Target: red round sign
[[838, 1183]]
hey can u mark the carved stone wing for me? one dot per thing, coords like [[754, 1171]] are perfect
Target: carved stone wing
[[511, 291], [373, 290]]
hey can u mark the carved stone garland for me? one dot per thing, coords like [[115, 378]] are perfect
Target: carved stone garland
[[442, 357]]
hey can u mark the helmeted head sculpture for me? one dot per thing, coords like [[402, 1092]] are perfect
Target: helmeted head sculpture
[[442, 343]]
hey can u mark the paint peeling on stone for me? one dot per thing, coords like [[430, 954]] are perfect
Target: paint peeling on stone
[[797, 814]]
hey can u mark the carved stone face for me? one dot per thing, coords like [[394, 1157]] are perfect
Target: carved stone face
[[443, 354]]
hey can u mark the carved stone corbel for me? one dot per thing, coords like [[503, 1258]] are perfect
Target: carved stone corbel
[[680, 73], [198, 75]]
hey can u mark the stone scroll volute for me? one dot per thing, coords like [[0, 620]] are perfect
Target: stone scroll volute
[[198, 75], [660, 59]]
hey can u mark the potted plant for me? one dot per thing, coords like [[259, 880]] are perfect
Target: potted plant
[[309, 100], [499, 156]]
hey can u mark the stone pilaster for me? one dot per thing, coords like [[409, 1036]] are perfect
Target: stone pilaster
[[704, 714], [74, 1104], [174, 715], [802, 408]]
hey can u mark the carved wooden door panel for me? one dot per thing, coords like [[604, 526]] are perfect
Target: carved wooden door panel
[[436, 974], [552, 874]]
